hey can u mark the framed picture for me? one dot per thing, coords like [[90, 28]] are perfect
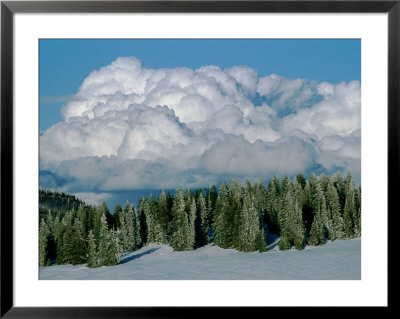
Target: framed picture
[[164, 155]]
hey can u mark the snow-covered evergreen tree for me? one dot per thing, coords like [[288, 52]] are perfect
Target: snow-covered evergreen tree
[[115, 247], [91, 252], [142, 220], [249, 226], [284, 219], [180, 225], [117, 216], [273, 205], [56, 224], [235, 197], [137, 229], [261, 243], [349, 212], [299, 231], [333, 207], [283, 243], [210, 207], [77, 244], [299, 200], [221, 218], [109, 249], [321, 227], [129, 221], [317, 227], [43, 239], [163, 218], [357, 216], [123, 232], [339, 184], [260, 198], [104, 241], [150, 213], [202, 227], [100, 210], [192, 220]]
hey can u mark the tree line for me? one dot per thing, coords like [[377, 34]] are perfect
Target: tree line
[[300, 211]]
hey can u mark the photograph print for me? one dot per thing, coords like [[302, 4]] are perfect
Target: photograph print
[[199, 159]]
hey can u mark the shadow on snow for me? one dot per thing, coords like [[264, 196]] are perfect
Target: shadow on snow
[[133, 257]]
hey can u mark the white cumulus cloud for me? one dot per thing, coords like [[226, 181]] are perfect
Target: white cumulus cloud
[[131, 127]]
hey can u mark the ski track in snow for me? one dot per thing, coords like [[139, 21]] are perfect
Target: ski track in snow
[[337, 260]]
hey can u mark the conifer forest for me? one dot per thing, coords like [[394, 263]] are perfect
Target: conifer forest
[[301, 211]]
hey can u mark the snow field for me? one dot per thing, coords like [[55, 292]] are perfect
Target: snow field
[[337, 260]]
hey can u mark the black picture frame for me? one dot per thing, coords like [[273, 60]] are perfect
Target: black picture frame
[[9, 8]]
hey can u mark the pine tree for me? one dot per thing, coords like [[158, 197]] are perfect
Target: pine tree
[[180, 226], [137, 229], [192, 230], [163, 218], [273, 204], [357, 216], [298, 192], [283, 243], [117, 216], [339, 184], [150, 213], [130, 242], [249, 227], [235, 197], [82, 215], [61, 246], [317, 228], [324, 181], [260, 198], [221, 221], [115, 247], [127, 231], [202, 227], [211, 205], [348, 213], [97, 214], [333, 206], [52, 224], [321, 226], [299, 231], [77, 244], [301, 180], [142, 220], [261, 244], [104, 239], [123, 231], [109, 247], [348, 182], [65, 249], [284, 219], [92, 256], [43, 240], [54, 231]]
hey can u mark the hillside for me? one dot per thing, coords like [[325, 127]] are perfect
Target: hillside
[[57, 202]]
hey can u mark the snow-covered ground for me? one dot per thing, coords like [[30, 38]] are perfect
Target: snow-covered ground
[[340, 259]]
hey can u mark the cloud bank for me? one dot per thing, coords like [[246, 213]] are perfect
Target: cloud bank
[[131, 127]]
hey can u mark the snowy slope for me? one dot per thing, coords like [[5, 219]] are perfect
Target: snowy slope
[[340, 259]]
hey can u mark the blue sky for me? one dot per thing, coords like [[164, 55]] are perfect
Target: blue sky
[[64, 64], [142, 123]]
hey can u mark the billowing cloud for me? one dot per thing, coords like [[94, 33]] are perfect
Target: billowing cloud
[[131, 127]]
